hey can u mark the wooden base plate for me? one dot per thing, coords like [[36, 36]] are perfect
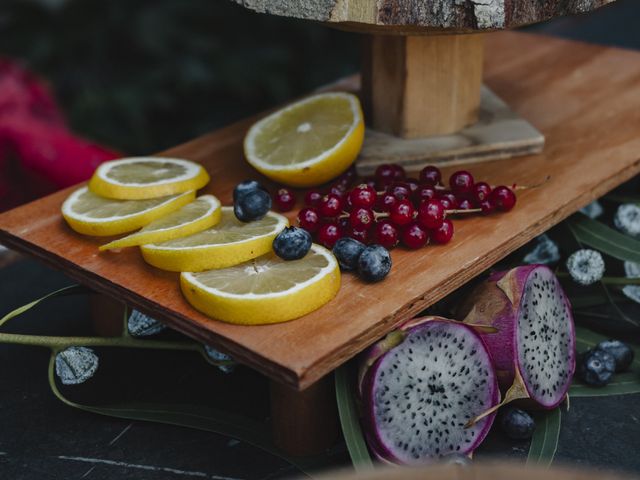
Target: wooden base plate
[[499, 133], [585, 99]]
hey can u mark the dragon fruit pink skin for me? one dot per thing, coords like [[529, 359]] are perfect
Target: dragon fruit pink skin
[[423, 414], [534, 347]]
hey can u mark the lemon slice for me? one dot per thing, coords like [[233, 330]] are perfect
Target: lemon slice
[[228, 243], [309, 142], [140, 178], [202, 213], [266, 289], [90, 214]]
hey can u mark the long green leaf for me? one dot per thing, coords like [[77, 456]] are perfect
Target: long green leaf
[[349, 421], [544, 442], [597, 235], [614, 197], [207, 419], [70, 290]]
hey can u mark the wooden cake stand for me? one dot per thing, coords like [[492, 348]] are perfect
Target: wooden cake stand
[[585, 99]]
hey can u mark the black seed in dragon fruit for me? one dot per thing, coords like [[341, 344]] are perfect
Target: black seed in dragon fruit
[[421, 385], [534, 347]]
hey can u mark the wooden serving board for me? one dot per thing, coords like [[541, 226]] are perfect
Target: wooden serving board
[[584, 98]]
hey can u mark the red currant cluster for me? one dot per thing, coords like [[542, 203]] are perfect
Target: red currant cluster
[[391, 208]]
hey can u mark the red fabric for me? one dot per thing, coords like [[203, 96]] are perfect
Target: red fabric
[[38, 154]]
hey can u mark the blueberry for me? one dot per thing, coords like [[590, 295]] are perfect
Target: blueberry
[[374, 263], [292, 243], [252, 205], [620, 351], [516, 423], [347, 251], [246, 186], [596, 367]]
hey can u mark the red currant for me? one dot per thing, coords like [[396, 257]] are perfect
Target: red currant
[[370, 182], [461, 182], [465, 204], [313, 198], [385, 174], [430, 175], [309, 219], [487, 207], [398, 172], [414, 236], [338, 189], [400, 190], [448, 200], [386, 201], [443, 234], [413, 185], [431, 214], [348, 177], [386, 234], [481, 192], [503, 198], [402, 212], [331, 205], [329, 234], [344, 225], [363, 196], [361, 218], [424, 192], [357, 234], [284, 199]]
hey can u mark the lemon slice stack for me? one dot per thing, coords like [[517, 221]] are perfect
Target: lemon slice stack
[[229, 270]]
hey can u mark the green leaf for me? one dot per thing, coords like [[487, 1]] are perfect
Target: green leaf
[[70, 290], [597, 235], [350, 422], [544, 442], [191, 416], [614, 197]]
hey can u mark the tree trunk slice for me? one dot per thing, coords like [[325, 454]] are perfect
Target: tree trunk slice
[[423, 16]]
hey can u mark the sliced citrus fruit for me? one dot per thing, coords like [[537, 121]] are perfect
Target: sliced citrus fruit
[[309, 142], [138, 178], [204, 212], [228, 243], [266, 289], [91, 214]]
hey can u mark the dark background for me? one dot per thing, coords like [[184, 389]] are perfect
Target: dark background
[[144, 75]]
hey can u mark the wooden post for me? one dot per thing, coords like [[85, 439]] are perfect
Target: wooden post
[[304, 423], [106, 315], [420, 86]]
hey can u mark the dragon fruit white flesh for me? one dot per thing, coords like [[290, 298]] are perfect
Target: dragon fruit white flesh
[[421, 385], [534, 347]]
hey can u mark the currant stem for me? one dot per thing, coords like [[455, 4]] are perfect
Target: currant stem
[[456, 212], [378, 215]]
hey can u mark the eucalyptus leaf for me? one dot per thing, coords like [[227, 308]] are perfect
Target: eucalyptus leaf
[[544, 442], [599, 236], [349, 420]]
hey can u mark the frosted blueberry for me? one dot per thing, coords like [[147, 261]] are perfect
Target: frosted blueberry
[[292, 243], [596, 367], [632, 270], [347, 250], [545, 252], [585, 266], [76, 365], [620, 351], [141, 325], [252, 205], [593, 210], [217, 356], [627, 219], [374, 263], [517, 424]]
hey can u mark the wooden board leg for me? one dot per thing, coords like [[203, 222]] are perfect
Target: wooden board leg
[[420, 86], [106, 315], [304, 423]]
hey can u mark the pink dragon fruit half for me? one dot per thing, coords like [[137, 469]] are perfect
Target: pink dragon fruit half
[[534, 347], [421, 386]]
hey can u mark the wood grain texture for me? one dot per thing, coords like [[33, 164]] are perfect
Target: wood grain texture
[[423, 16], [421, 86], [499, 133], [585, 99]]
